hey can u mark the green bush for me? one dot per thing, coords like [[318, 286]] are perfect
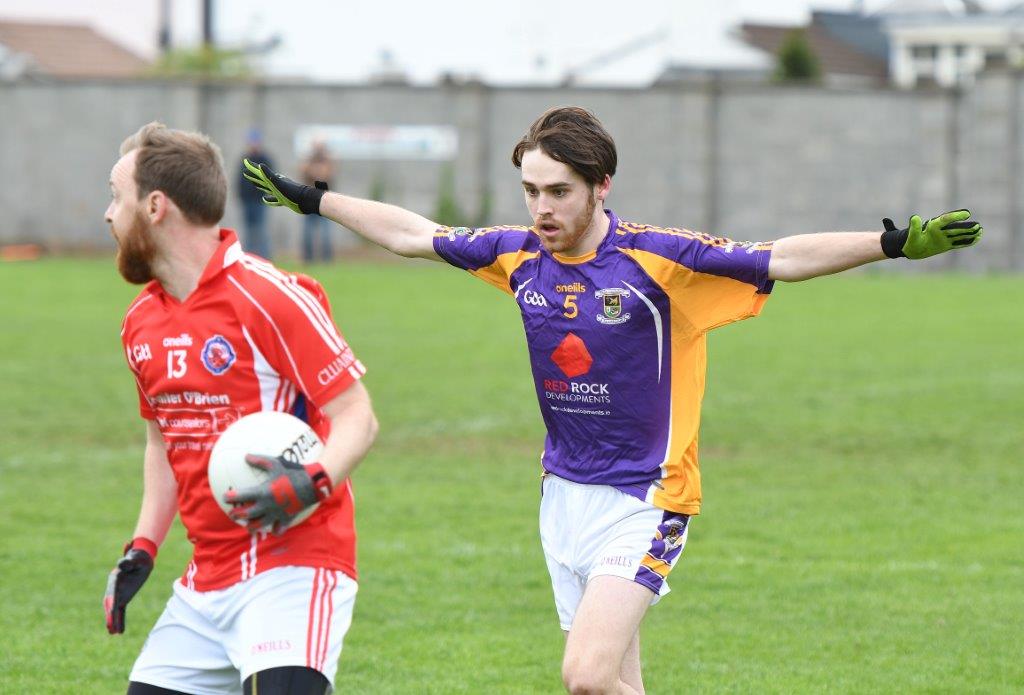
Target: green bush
[[379, 188], [447, 211], [203, 61], [796, 60]]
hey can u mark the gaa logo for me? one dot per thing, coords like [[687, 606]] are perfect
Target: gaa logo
[[218, 355], [534, 298], [139, 353]]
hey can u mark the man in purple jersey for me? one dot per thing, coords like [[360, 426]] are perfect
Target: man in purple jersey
[[616, 315]]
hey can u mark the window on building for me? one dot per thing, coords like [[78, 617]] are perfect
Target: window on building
[[924, 52], [995, 58]]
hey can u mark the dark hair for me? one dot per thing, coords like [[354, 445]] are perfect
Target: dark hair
[[573, 136], [186, 166]]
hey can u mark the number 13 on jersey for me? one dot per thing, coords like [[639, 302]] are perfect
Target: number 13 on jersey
[[176, 366]]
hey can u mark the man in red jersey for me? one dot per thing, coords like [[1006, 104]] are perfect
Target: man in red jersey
[[214, 335]]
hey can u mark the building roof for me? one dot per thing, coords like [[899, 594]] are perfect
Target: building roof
[[936, 7], [69, 50], [862, 32], [836, 57]]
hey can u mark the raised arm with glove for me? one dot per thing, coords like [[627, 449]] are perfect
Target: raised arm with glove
[[921, 239], [281, 191], [396, 229]]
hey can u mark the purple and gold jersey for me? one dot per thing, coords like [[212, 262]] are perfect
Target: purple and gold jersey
[[617, 343]]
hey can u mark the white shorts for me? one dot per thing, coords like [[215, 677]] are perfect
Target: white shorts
[[593, 530], [209, 642]]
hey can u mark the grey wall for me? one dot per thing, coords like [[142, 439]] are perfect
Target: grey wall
[[746, 161]]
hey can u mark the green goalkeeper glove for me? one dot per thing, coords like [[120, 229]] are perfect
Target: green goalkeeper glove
[[281, 191], [953, 230]]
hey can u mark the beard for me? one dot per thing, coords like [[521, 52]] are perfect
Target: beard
[[582, 222], [136, 251], [577, 227]]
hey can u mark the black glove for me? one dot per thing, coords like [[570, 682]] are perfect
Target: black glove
[[280, 190], [291, 488], [125, 580]]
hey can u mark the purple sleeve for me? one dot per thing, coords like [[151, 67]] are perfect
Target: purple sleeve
[[746, 261], [473, 249], [714, 280]]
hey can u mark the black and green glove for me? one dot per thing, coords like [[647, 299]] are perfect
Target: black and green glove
[[280, 190], [921, 239]]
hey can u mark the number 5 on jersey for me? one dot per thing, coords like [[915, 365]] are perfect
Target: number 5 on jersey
[[570, 307], [176, 364]]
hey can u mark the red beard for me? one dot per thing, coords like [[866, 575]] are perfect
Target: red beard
[[577, 228], [135, 253]]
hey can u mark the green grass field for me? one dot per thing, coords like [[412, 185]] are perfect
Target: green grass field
[[862, 527]]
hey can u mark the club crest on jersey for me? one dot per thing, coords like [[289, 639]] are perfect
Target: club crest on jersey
[[217, 355], [611, 303], [456, 232], [672, 533]]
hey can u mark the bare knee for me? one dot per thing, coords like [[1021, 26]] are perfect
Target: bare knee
[[583, 676]]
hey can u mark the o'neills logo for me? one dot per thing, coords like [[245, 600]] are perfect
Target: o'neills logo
[[335, 368], [183, 340], [303, 444], [577, 287], [271, 646]]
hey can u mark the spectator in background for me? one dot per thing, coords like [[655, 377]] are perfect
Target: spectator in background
[[316, 232], [255, 237]]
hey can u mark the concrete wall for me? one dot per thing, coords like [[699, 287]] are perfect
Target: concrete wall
[[746, 161]]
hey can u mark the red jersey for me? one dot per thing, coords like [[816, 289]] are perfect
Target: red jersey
[[249, 338]]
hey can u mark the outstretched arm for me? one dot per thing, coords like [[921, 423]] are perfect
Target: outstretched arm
[[396, 229], [808, 256]]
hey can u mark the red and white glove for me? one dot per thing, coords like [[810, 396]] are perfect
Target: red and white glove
[[272, 504]]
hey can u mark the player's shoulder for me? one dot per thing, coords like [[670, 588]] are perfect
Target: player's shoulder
[[663, 241], [257, 285], [503, 238]]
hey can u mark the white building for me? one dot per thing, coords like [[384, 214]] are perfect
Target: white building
[[948, 43]]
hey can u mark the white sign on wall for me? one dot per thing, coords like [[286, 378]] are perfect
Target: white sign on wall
[[375, 142]]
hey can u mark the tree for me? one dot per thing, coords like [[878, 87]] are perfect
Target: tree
[[796, 60], [483, 213], [378, 187], [448, 211], [203, 61]]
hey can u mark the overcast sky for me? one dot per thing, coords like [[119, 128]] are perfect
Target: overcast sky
[[508, 42]]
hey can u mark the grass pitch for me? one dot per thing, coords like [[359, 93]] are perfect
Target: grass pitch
[[862, 528]]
